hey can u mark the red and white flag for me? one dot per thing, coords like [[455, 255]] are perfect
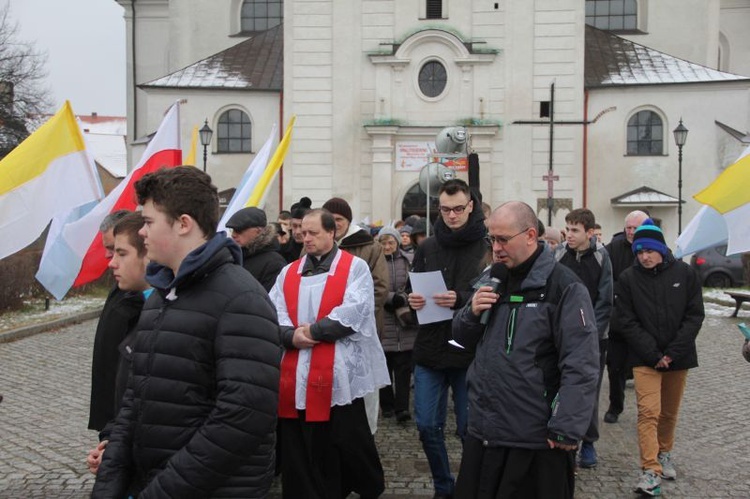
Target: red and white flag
[[74, 252]]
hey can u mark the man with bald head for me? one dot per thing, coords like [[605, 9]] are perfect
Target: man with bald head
[[621, 253], [532, 384]]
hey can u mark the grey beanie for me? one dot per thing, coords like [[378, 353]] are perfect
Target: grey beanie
[[390, 231]]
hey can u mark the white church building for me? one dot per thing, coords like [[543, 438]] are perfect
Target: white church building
[[371, 82]]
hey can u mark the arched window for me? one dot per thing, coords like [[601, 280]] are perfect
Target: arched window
[[235, 132], [415, 203], [612, 14], [260, 15], [432, 79], [645, 134]]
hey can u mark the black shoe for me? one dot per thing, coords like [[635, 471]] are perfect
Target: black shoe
[[388, 413], [403, 416], [611, 417]]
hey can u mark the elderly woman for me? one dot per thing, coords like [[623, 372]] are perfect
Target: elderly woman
[[399, 331]]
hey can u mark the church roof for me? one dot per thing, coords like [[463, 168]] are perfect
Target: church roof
[[253, 64], [644, 196], [615, 61]]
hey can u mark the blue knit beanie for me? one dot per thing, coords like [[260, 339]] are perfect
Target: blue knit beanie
[[649, 236]]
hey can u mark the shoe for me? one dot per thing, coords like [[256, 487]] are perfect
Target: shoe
[[587, 457], [667, 466], [388, 413], [611, 417], [649, 484], [403, 416]]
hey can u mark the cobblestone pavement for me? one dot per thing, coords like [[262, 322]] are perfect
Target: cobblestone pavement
[[43, 436]]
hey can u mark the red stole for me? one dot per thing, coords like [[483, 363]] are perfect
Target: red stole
[[320, 378]]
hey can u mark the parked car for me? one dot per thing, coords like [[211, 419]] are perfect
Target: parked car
[[716, 269]]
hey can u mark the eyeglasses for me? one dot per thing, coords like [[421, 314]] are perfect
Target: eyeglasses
[[503, 240], [456, 209]]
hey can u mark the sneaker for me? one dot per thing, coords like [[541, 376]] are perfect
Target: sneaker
[[611, 417], [649, 484], [587, 458], [667, 466]]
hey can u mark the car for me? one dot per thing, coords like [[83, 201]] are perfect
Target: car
[[716, 269]]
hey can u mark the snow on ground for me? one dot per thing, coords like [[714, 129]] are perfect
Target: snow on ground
[[34, 313]]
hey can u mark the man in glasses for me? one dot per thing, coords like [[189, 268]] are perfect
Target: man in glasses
[[457, 249], [532, 384]]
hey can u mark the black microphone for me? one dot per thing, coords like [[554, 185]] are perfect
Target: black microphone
[[497, 272]]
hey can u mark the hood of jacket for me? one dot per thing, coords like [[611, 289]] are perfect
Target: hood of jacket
[[266, 241], [195, 263], [355, 236]]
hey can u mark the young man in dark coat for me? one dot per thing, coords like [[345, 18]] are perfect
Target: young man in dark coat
[[659, 312], [260, 246], [456, 249], [198, 416]]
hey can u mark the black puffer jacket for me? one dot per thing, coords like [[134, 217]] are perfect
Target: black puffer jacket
[[262, 258], [199, 414], [621, 254], [459, 256], [660, 312]]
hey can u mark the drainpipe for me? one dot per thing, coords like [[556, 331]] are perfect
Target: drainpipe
[[135, 80], [281, 135], [585, 145]]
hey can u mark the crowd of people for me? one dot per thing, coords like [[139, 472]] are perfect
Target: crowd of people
[[223, 361]]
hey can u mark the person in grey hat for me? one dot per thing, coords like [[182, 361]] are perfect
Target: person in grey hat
[[260, 246], [405, 241]]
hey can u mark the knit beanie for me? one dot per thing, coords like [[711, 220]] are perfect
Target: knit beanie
[[390, 231], [649, 236], [338, 206], [300, 209], [405, 229]]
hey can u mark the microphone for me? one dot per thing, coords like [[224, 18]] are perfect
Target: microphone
[[496, 273]]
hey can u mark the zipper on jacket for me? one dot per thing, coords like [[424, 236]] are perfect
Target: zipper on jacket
[[510, 330]]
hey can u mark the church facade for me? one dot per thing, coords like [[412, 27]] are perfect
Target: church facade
[[373, 81]]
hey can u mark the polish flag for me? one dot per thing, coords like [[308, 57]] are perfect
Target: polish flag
[[74, 252]]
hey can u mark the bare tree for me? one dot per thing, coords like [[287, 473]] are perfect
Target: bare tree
[[23, 96]]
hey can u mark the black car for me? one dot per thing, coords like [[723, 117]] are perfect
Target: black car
[[716, 269]]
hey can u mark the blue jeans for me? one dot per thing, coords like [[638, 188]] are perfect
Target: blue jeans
[[430, 409]]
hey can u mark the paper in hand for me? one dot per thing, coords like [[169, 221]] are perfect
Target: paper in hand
[[428, 284]]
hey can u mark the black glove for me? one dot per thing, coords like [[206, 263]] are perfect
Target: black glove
[[399, 300]]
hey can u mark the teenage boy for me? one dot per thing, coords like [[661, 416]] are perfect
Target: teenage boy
[[587, 258], [198, 416], [128, 264]]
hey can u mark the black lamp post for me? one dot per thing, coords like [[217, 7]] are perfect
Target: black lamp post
[[206, 133], [680, 137]]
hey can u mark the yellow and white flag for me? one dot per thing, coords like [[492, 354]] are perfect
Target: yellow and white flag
[[48, 173]]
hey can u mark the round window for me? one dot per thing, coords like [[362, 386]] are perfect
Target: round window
[[432, 79]]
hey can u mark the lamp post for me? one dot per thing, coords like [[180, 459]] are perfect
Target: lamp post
[[206, 133], [680, 137]]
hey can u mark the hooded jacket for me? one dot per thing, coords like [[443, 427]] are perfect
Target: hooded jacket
[[262, 258], [458, 255], [536, 367], [198, 417], [660, 312]]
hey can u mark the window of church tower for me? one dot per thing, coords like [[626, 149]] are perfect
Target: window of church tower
[[645, 134], [614, 15], [432, 79], [234, 133], [260, 15]]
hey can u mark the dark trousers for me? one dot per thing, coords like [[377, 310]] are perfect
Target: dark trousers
[[400, 368], [331, 459], [592, 434], [617, 369], [513, 473]]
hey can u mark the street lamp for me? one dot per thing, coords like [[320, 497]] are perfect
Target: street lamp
[[206, 133], [680, 137]]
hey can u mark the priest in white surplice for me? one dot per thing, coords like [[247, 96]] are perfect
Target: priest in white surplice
[[332, 358]]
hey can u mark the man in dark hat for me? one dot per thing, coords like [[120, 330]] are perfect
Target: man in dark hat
[[260, 247], [293, 249], [659, 313]]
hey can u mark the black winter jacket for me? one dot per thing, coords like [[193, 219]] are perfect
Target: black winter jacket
[[262, 258], [119, 316], [198, 417], [459, 256], [536, 368], [621, 254], [660, 312]]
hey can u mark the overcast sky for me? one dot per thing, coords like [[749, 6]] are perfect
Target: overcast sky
[[85, 45]]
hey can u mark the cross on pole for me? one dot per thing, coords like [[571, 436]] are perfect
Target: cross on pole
[[551, 177]]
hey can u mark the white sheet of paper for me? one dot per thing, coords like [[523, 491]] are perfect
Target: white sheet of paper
[[428, 284]]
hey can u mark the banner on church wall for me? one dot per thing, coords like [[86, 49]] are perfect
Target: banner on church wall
[[412, 156]]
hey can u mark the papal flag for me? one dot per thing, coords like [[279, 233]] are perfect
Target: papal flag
[[47, 174]]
